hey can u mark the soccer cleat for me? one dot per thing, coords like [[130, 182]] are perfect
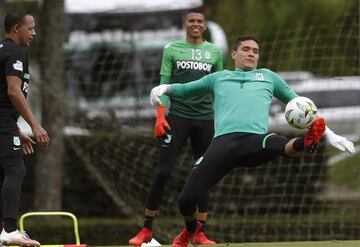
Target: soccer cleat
[[201, 239], [313, 135], [182, 240], [143, 236], [17, 238]]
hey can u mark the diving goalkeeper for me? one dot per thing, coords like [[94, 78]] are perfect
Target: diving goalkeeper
[[241, 109]]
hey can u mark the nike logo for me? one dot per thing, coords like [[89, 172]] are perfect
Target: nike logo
[[17, 148], [167, 140]]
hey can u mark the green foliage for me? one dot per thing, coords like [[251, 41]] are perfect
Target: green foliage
[[346, 173]]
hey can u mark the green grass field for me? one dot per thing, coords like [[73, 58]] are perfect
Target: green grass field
[[297, 244], [333, 243]]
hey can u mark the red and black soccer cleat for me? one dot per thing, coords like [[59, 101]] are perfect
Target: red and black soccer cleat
[[313, 135], [201, 239], [183, 239], [143, 236]]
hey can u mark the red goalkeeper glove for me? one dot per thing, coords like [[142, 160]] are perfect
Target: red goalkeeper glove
[[313, 135], [160, 122]]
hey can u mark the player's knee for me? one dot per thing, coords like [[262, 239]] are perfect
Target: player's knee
[[187, 203], [277, 144], [162, 176]]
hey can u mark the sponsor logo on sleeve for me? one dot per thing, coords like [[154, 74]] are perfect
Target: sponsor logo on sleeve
[[18, 65], [25, 87]]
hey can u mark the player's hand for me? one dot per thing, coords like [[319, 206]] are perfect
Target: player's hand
[[161, 125], [41, 136], [339, 142], [26, 143], [158, 91]]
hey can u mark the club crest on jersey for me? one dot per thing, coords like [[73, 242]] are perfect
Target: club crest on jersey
[[207, 55], [259, 76], [18, 65], [1, 45]]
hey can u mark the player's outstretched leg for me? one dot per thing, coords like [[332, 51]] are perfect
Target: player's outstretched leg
[[17, 238], [183, 239], [314, 134], [143, 236]]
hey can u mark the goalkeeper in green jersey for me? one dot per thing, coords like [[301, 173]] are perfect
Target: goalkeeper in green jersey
[[183, 61], [242, 100]]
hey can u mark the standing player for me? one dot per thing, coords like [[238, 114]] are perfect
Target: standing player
[[183, 61], [14, 83], [242, 100]]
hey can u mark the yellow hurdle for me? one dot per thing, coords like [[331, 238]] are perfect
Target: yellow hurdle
[[67, 214]]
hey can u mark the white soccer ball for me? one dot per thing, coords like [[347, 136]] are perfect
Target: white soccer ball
[[300, 112]]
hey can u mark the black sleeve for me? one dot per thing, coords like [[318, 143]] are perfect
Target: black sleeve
[[15, 63]]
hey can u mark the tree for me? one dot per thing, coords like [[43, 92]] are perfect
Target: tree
[[2, 16], [49, 168]]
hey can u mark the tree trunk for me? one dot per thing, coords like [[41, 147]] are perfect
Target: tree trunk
[[49, 168], [2, 16]]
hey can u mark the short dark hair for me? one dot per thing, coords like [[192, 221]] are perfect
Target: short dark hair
[[14, 17], [194, 10], [244, 38]]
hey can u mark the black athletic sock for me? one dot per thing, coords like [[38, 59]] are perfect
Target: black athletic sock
[[298, 144], [203, 225], [10, 225], [148, 220], [191, 225]]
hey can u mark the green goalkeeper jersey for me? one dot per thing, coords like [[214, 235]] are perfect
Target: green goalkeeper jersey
[[183, 62], [241, 98]]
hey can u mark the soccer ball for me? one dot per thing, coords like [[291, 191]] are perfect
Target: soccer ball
[[300, 112]]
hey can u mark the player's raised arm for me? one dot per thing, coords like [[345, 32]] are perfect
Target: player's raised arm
[[199, 87], [284, 93]]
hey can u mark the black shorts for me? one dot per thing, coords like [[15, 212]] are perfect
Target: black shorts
[[234, 150], [224, 154], [246, 149], [10, 144]]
